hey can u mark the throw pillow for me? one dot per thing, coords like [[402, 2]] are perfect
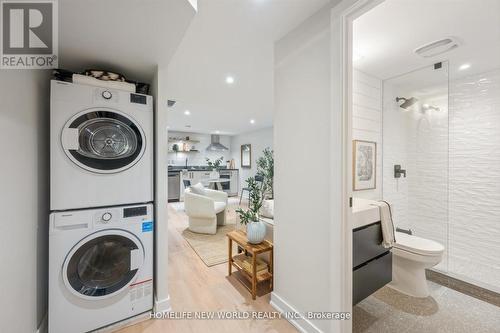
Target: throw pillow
[[199, 189]]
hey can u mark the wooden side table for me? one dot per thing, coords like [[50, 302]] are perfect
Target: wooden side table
[[240, 237]]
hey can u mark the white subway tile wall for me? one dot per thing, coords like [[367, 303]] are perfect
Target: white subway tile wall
[[367, 122], [197, 158]]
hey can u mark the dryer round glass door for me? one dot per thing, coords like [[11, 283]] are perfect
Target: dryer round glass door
[[103, 141], [103, 264]]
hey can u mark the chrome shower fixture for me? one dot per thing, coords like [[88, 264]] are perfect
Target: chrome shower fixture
[[407, 102], [427, 107]]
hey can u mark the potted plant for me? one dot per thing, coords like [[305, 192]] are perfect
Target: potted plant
[[175, 148], [265, 169], [256, 229], [215, 166]]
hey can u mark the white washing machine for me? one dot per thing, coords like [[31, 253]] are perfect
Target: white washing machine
[[100, 267], [101, 147]]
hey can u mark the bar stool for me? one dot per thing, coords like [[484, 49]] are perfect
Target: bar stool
[[258, 179]]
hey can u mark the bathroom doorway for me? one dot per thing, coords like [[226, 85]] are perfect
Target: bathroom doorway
[[423, 97]]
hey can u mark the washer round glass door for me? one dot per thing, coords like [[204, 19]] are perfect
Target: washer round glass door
[[103, 141], [103, 264]]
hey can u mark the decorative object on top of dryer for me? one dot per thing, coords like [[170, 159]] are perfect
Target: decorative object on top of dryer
[[101, 78]]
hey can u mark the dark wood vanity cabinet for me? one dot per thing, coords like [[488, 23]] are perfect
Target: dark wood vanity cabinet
[[372, 263]]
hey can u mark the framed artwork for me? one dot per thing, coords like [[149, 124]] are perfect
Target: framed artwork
[[246, 156], [364, 166]]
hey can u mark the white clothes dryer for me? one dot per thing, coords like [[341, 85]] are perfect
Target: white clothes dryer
[[101, 147]]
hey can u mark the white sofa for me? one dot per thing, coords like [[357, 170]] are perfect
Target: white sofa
[[205, 211]]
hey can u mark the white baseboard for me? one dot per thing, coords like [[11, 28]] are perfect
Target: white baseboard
[[162, 305], [43, 328], [303, 325]]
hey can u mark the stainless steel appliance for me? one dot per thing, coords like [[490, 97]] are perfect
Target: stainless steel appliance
[[174, 186], [231, 187]]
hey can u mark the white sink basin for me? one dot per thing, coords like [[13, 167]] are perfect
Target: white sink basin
[[364, 212]]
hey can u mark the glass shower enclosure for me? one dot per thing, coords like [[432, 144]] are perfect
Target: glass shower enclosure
[[445, 132]]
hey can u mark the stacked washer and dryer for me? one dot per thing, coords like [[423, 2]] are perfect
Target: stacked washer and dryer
[[101, 221]]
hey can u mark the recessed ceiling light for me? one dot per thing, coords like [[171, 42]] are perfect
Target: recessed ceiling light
[[229, 79], [252, 121], [187, 112], [464, 67]]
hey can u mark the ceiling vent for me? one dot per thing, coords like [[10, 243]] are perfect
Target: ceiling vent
[[437, 47]]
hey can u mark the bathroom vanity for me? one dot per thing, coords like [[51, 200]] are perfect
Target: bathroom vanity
[[372, 263]]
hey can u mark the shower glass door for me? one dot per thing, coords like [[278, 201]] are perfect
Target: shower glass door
[[416, 137]]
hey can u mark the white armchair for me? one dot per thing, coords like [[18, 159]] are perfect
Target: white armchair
[[206, 211]]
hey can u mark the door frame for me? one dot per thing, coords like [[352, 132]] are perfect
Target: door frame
[[342, 17]]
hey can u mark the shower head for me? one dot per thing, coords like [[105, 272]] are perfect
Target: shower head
[[407, 102], [427, 107]]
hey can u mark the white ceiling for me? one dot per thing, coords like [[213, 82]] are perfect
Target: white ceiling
[[231, 37], [128, 36], [385, 37]]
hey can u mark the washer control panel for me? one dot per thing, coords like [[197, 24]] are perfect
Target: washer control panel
[[118, 216], [106, 217]]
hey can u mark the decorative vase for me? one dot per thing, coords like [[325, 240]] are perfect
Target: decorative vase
[[214, 174], [256, 232]]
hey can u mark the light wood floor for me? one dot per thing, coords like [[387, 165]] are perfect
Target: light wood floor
[[195, 287]]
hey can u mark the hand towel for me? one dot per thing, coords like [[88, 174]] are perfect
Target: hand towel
[[387, 224]]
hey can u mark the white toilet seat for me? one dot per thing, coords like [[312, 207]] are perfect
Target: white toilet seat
[[418, 245]]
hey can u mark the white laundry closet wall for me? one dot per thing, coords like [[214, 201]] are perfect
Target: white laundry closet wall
[[24, 198]]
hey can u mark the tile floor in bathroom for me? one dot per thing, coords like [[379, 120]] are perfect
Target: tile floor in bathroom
[[446, 310]]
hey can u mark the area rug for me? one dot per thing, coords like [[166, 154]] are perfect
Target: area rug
[[212, 249]]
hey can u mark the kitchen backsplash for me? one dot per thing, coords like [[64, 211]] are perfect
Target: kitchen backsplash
[[197, 158]]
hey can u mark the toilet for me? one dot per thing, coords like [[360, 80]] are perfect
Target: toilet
[[411, 256]]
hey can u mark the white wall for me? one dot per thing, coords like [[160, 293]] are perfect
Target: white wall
[[179, 159], [395, 151], [367, 122], [474, 224], [259, 140], [24, 179], [418, 141], [162, 298], [303, 209]]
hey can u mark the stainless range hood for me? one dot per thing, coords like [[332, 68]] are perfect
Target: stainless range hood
[[215, 144]]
